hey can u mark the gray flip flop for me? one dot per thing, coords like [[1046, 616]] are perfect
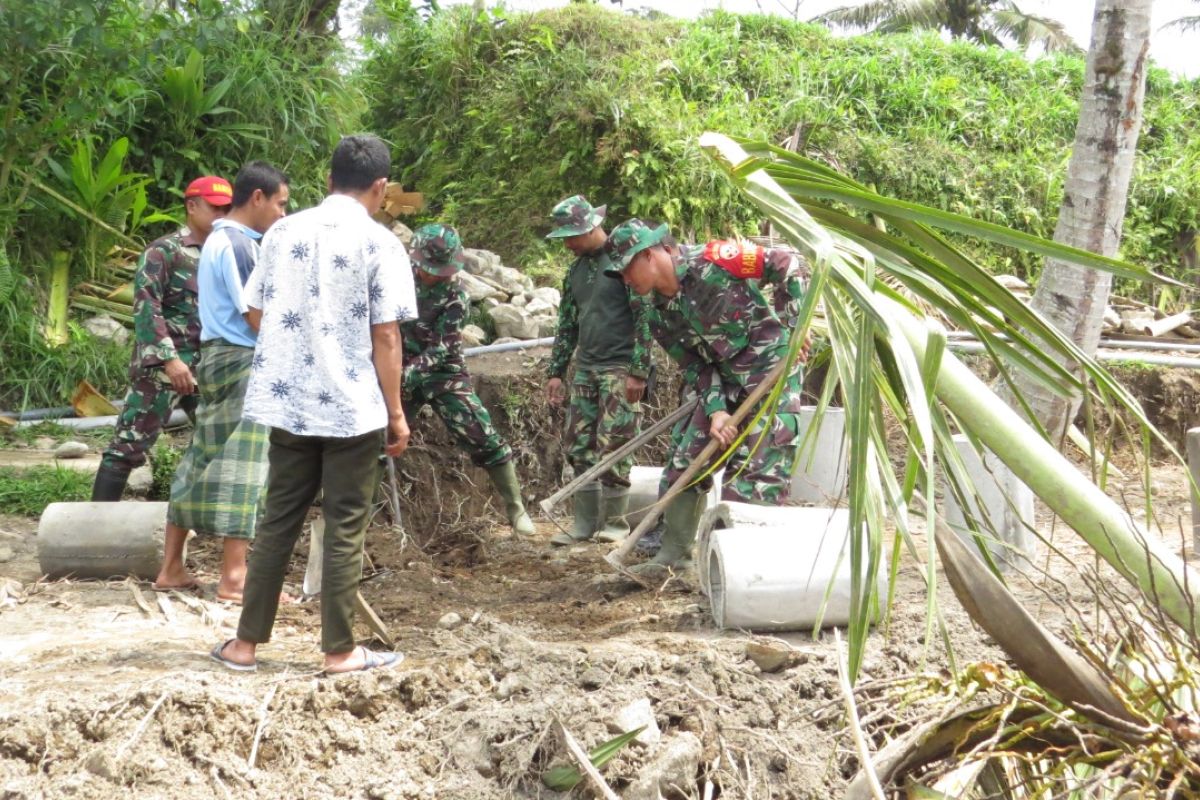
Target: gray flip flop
[[216, 655], [372, 659]]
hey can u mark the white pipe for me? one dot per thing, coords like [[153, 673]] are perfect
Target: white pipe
[[500, 348], [775, 577], [730, 514], [101, 540], [178, 417], [1141, 358]]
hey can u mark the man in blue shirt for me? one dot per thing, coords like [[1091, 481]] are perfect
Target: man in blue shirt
[[220, 477]]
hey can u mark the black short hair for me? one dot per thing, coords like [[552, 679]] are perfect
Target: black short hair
[[358, 161], [256, 175]]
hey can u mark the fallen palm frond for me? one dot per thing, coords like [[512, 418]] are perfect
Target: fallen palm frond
[[1112, 712]]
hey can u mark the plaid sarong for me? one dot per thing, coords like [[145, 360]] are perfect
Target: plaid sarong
[[222, 476]]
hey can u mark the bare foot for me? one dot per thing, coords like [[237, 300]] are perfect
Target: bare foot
[[174, 577], [236, 597]]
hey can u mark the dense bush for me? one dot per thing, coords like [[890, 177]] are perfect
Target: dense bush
[[495, 116], [175, 90]]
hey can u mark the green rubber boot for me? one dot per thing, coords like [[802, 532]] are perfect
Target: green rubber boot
[[110, 484], [680, 522], [504, 478], [615, 503], [587, 517]]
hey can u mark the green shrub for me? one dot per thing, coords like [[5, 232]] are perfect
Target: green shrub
[[27, 492], [164, 458], [496, 116], [36, 375]]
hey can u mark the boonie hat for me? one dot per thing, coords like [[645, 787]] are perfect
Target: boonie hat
[[575, 216], [436, 249], [628, 239], [215, 190]]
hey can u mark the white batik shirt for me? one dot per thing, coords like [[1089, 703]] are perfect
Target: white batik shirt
[[324, 277]]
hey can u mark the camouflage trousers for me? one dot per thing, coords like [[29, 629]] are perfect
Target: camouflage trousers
[[599, 420], [148, 406], [454, 400], [756, 472]]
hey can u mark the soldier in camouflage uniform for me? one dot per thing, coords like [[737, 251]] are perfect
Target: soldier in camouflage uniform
[[166, 325], [609, 337], [708, 310], [436, 373]]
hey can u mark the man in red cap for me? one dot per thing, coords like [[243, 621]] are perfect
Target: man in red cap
[[166, 336]]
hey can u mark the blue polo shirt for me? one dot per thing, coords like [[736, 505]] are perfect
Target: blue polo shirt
[[226, 261]]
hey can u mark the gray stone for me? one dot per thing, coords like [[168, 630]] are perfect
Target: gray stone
[[512, 280], [546, 326], [141, 481], [506, 340], [450, 621], [480, 262], [674, 763], [515, 322], [477, 289], [548, 294], [489, 303], [473, 336], [402, 232], [637, 714], [773, 656], [71, 450], [105, 327], [6, 554], [540, 308], [593, 678], [512, 683], [519, 300], [44, 442]]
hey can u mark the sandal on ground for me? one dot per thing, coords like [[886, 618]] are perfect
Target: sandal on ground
[[372, 659], [191, 586], [217, 655]]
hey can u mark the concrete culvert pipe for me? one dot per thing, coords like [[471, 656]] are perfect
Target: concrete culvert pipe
[[775, 577], [101, 540], [643, 491], [730, 514]]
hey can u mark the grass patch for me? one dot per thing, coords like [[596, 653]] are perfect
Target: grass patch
[[27, 492]]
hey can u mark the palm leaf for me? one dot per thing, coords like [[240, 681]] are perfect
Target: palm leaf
[[882, 351]]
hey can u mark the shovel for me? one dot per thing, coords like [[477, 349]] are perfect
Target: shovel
[[616, 455], [617, 557]]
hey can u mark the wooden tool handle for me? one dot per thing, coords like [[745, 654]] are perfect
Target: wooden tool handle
[[604, 465], [621, 552]]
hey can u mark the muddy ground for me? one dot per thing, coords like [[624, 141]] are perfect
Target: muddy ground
[[106, 690]]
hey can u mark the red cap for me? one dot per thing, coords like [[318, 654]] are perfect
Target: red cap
[[213, 189]]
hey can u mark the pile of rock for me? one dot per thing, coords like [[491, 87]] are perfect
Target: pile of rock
[[517, 309]]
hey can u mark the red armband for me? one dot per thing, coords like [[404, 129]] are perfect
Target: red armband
[[739, 259]]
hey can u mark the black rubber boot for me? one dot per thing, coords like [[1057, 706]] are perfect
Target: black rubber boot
[[110, 484]]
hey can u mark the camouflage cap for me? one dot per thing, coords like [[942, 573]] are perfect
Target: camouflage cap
[[436, 249], [628, 239], [575, 216]]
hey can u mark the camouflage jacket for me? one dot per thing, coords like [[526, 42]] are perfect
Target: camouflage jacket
[[720, 328], [166, 317], [598, 322], [433, 341]]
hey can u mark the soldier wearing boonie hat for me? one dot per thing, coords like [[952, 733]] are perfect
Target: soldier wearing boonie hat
[[610, 342], [708, 311], [435, 371], [166, 336]]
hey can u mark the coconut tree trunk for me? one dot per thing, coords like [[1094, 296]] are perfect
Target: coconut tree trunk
[[1073, 298]]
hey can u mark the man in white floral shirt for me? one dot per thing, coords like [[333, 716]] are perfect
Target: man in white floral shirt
[[329, 288]]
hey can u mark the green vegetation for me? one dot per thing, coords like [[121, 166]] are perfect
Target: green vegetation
[[28, 491], [163, 459], [108, 111], [496, 116]]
